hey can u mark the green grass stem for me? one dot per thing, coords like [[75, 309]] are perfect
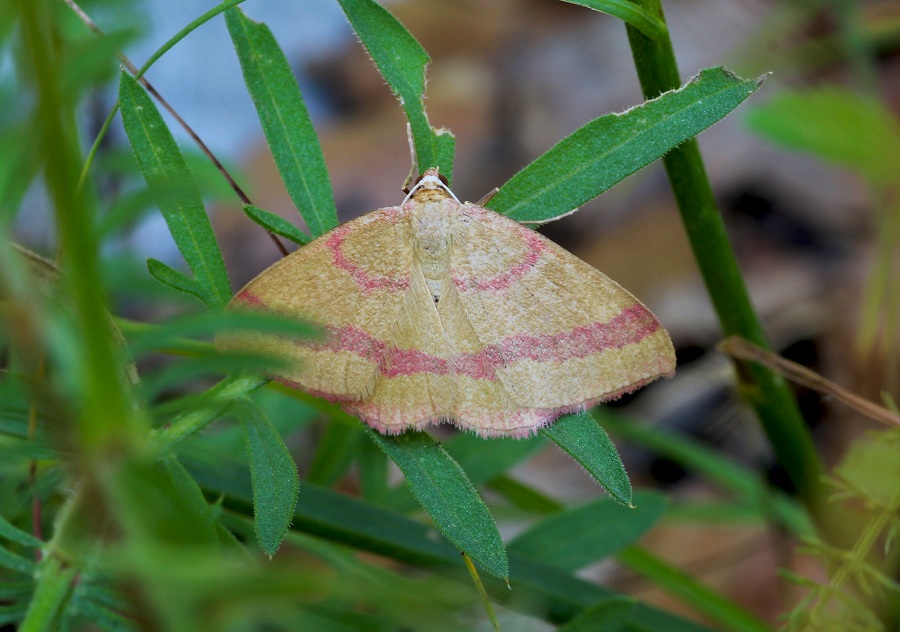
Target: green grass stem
[[766, 392]]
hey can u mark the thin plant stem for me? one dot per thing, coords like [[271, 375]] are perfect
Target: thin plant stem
[[774, 404], [740, 349], [139, 75], [476, 579]]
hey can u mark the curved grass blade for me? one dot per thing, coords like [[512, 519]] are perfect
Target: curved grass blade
[[10, 532], [335, 453], [274, 476], [175, 191], [538, 588], [703, 599], [578, 536], [187, 30], [630, 13], [209, 407], [181, 332], [612, 147], [609, 615], [15, 562], [173, 278], [276, 224], [586, 442], [285, 121], [401, 61], [745, 483], [443, 490]]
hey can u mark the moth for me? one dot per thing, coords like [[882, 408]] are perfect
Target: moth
[[441, 311]]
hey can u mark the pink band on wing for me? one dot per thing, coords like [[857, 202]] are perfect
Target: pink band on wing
[[350, 339], [248, 298], [502, 281], [366, 283], [630, 326]]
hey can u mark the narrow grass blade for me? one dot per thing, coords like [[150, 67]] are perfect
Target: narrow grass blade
[[285, 121], [402, 60], [372, 465], [174, 279], [483, 460], [523, 496], [276, 224], [586, 442], [630, 13], [748, 485], [443, 490], [172, 184], [15, 562], [613, 146], [608, 615], [208, 408], [274, 476], [14, 534], [536, 587], [579, 536], [334, 454], [703, 599]]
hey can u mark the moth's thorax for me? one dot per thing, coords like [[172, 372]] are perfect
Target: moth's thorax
[[431, 216]]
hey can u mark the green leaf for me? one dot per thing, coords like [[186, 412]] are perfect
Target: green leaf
[[579, 536], [402, 60], [208, 407], [274, 476], [87, 64], [837, 125], [105, 618], [334, 454], [539, 588], [608, 615], [178, 332], [15, 590], [443, 490], [15, 562], [14, 534], [12, 613], [174, 279], [187, 30], [747, 484], [523, 496], [173, 187], [613, 146], [483, 460], [586, 442], [630, 13], [373, 470], [679, 583], [276, 224], [55, 581], [285, 121]]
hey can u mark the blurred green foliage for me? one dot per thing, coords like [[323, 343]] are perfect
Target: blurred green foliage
[[117, 513]]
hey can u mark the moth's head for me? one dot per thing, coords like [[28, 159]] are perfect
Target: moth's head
[[430, 187]]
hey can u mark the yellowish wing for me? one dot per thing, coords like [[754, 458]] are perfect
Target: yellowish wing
[[556, 333], [352, 281]]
